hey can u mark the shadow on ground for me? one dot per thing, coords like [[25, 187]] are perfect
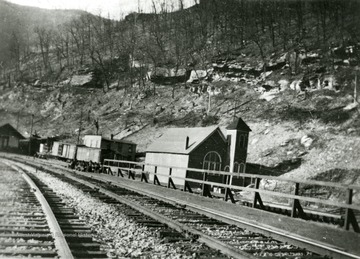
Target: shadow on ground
[[335, 175], [280, 169]]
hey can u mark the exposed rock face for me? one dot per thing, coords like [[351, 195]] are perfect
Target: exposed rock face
[[296, 85], [283, 84], [199, 89], [213, 90], [197, 75], [161, 75], [309, 58], [329, 82], [306, 141], [315, 83], [236, 69], [276, 64], [85, 80], [268, 96], [346, 54]]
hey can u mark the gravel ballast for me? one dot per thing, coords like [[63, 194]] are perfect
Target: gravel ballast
[[119, 236]]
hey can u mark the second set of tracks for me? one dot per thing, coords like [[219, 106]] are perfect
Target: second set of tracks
[[186, 224]]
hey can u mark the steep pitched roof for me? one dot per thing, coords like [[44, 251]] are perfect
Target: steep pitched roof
[[238, 124], [9, 130], [174, 139]]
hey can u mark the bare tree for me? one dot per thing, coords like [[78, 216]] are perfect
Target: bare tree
[[44, 40]]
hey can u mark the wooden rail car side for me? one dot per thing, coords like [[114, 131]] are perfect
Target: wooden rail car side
[[63, 151]]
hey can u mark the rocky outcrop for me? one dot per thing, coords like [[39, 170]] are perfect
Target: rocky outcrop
[[161, 75], [81, 80], [235, 69], [197, 75]]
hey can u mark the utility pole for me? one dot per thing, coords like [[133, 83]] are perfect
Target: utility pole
[[31, 129], [355, 86], [80, 125], [17, 121], [234, 108], [209, 108]]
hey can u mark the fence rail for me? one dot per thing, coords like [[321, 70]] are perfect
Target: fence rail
[[136, 168]]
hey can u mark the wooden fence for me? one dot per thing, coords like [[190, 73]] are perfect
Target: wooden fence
[[137, 170]]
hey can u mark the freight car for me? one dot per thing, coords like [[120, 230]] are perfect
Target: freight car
[[92, 154], [63, 151]]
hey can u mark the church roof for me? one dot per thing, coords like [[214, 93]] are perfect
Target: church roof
[[174, 139]]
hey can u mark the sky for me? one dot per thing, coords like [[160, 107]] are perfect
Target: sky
[[115, 8]]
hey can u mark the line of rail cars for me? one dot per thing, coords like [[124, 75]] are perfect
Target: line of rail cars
[[95, 149]]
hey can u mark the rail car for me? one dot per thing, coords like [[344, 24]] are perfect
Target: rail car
[[63, 151], [92, 154], [72, 152]]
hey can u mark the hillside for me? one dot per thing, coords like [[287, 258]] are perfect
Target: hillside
[[296, 94], [17, 25]]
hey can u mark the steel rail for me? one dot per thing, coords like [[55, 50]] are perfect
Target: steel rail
[[208, 240], [59, 237], [250, 189], [313, 245], [332, 251]]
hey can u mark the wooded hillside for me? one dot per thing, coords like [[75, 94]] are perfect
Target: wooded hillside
[[39, 44], [288, 68]]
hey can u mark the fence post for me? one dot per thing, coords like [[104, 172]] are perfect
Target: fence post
[[296, 208], [228, 193], [131, 173], [205, 187], [102, 169], [143, 175], [156, 179], [187, 187], [170, 181], [186, 184], [349, 213], [257, 198]]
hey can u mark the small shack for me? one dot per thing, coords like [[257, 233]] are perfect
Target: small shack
[[30, 146], [201, 147], [9, 138]]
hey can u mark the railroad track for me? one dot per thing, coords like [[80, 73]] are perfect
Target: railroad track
[[186, 243], [34, 222], [333, 217], [235, 241]]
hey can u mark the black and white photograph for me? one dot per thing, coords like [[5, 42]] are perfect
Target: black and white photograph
[[180, 129]]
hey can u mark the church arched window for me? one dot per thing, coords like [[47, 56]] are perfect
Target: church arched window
[[212, 161], [239, 167]]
